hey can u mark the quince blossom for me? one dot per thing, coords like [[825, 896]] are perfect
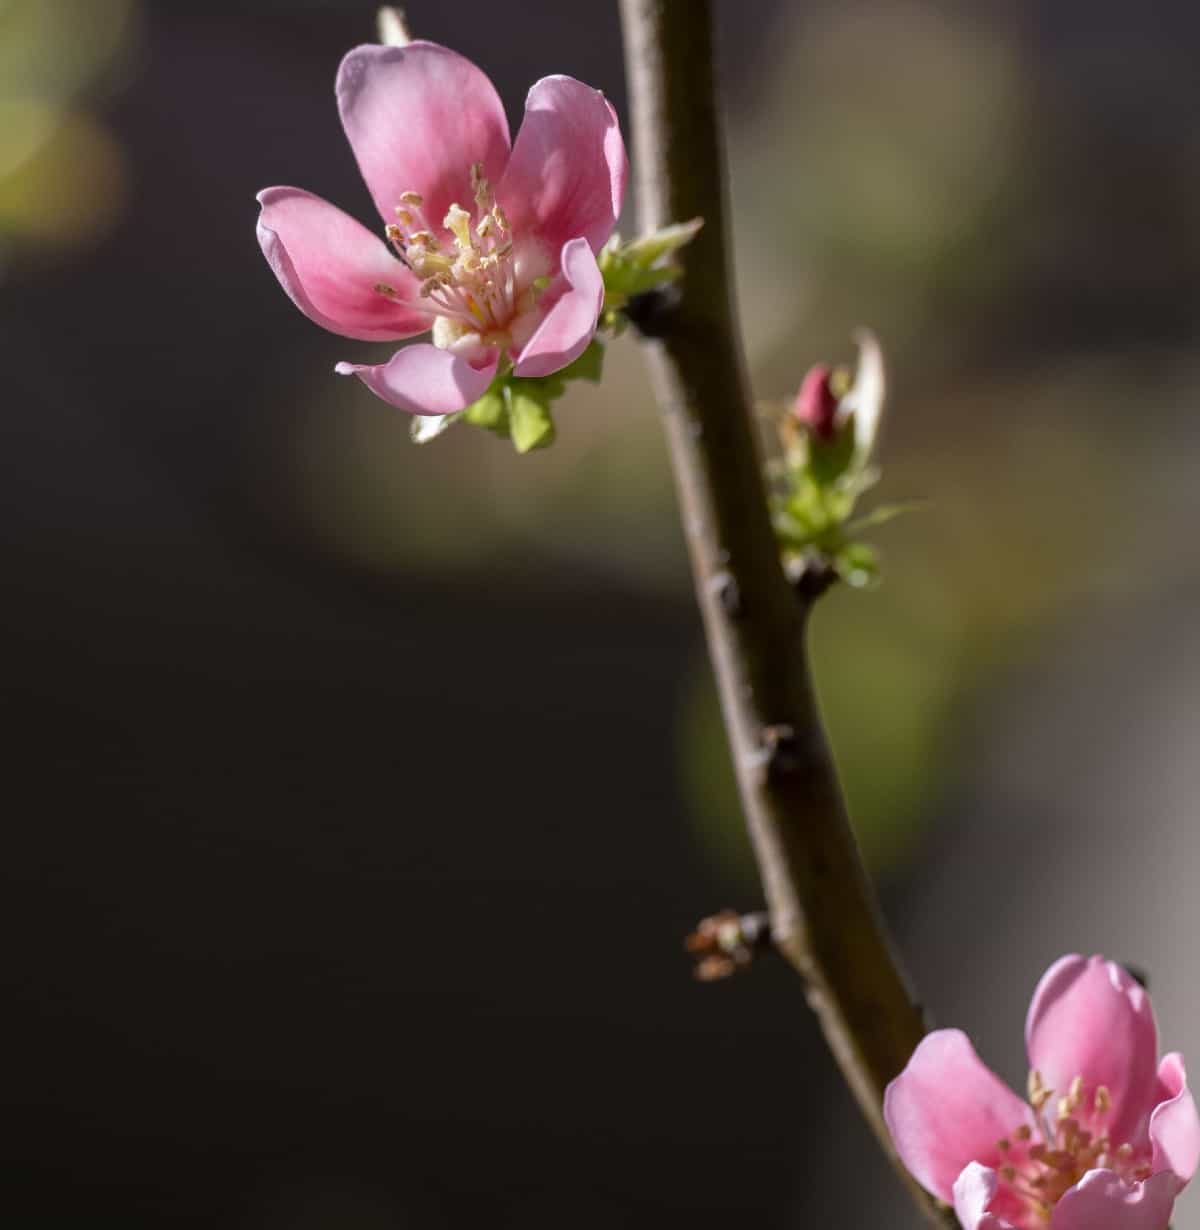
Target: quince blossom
[[491, 245], [1106, 1140]]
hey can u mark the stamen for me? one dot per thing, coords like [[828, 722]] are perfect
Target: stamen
[[1102, 1101], [382, 288], [412, 198]]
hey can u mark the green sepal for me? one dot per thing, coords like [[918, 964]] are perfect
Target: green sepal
[[530, 423], [490, 411]]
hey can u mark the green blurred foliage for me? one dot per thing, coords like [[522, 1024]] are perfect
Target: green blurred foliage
[[63, 178]]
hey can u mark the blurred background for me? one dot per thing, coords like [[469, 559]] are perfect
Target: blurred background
[[358, 795]]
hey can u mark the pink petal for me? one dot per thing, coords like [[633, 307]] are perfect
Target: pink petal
[[417, 117], [1174, 1125], [330, 265], [567, 173], [425, 380], [1102, 1200], [570, 324], [947, 1109], [974, 1191], [1089, 1018]]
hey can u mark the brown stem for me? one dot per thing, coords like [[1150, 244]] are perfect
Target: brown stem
[[824, 915]]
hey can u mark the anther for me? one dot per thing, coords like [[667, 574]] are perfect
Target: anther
[[412, 198], [406, 219], [382, 288], [394, 233], [1024, 1132], [1103, 1100]]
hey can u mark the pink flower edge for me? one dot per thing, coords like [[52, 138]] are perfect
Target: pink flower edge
[[425, 380]]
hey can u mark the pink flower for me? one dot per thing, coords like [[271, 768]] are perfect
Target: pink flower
[[1106, 1140], [493, 248]]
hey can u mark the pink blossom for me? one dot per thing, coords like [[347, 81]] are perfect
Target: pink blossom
[[1106, 1141], [491, 245]]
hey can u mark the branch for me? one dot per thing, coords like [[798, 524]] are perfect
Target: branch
[[824, 916]]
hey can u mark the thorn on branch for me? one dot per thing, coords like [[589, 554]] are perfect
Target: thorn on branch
[[653, 311], [725, 943]]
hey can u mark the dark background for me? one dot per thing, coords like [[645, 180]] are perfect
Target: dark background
[[358, 796]]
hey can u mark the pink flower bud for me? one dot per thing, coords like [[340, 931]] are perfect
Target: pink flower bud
[[815, 405]]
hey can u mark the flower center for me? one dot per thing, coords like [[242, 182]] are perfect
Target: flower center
[[1041, 1164], [469, 277]]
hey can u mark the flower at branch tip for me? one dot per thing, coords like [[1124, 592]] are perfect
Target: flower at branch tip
[[490, 245], [1106, 1138]]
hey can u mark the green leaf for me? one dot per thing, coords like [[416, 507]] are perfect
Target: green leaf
[[529, 417], [643, 264], [883, 514], [648, 249]]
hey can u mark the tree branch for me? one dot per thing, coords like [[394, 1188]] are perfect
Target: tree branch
[[824, 916]]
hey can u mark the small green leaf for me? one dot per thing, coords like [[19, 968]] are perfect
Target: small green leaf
[[648, 249], [529, 417], [882, 515], [643, 264]]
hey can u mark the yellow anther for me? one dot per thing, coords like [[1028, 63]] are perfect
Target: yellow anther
[[394, 233], [382, 288], [501, 219], [458, 222], [412, 198], [425, 238], [1103, 1100], [1039, 1095], [406, 219]]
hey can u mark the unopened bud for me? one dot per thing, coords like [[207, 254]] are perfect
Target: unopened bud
[[816, 406]]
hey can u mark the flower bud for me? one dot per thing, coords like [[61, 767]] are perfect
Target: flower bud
[[816, 406]]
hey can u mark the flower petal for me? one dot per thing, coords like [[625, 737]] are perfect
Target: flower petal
[[1102, 1200], [567, 173], [570, 323], [1089, 1018], [947, 1109], [425, 380], [974, 1191], [1174, 1125], [330, 266], [417, 117]]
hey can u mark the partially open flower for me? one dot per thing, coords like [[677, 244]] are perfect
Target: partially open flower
[[492, 248], [1105, 1139]]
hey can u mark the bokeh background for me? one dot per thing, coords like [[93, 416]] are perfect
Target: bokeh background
[[358, 795]]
